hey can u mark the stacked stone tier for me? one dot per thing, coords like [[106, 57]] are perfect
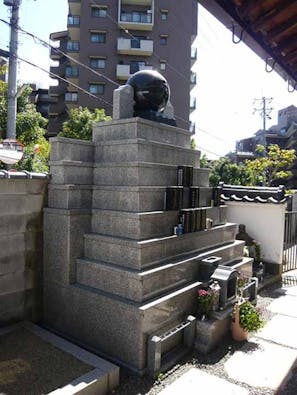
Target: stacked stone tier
[[119, 265]]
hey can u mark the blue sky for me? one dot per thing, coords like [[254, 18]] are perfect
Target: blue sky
[[229, 76]]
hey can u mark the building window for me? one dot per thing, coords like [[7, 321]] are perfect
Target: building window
[[136, 65], [163, 40], [96, 89], [73, 46], [71, 71], [162, 65], [97, 63], [164, 15], [136, 17], [71, 97], [99, 12], [99, 37], [73, 20]]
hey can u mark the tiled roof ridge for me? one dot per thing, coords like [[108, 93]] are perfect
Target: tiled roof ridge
[[22, 174], [253, 194]]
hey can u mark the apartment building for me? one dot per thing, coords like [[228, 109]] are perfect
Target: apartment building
[[116, 38]]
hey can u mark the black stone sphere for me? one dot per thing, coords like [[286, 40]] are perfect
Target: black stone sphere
[[151, 91]]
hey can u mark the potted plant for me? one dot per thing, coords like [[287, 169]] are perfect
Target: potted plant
[[206, 300], [245, 318]]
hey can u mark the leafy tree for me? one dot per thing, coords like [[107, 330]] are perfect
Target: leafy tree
[[30, 130], [272, 166], [203, 161], [193, 143], [230, 173], [80, 123]]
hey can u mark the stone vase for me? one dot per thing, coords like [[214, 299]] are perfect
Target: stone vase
[[238, 333]]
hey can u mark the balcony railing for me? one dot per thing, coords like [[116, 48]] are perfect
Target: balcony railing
[[137, 20], [124, 71], [137, 2], [135, 47]]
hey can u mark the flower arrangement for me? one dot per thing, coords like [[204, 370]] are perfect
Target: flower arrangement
[[206, 300]]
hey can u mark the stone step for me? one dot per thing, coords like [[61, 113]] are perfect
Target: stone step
[[89, 322], [143, 285], [133, 128], [138, 198], [143, 173], [71, 172], [145, 253], [140, 226], [244, 266], [141, 150]]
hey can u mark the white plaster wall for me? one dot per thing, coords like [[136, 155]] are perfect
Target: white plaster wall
[[265, 223]]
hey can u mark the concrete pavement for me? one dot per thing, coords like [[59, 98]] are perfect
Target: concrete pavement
[[266, 360]]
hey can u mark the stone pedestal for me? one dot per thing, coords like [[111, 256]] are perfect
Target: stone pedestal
[[115, 275]]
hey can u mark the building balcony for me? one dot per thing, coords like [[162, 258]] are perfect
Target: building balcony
[[55, 55], [137, 2], [193, 55], [135, 47], [57, 108], [193, 80], [193, 105], [136, 20], [124, 71], [57, 90]]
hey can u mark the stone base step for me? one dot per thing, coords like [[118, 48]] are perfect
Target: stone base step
[[141, 150], [244, 266], [138, 198], [143, 173], [145, 253], [101, 321], [140, 286], [140, 226], [133, 128]]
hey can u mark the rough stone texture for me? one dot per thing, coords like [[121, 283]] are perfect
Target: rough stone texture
[[210, 332], [114, 273], [63, 243], [111, 325], [72, 172], [145, 284], [139, 174], [140, 254], [71, 150], [143, 225], [123, 102], [141, 128], [70, 196], [133, 199], [21, 239], [145, 151]]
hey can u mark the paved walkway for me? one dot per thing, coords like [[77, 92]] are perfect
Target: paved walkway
[[267, 360]]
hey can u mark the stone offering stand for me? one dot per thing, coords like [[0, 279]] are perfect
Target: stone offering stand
[[116, 279]]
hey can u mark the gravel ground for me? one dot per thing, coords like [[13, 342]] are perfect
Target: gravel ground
[[212, 363]]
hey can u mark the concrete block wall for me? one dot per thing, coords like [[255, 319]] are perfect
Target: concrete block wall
[[22, 198]]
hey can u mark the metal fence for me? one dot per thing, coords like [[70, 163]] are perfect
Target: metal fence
[[290, 242]]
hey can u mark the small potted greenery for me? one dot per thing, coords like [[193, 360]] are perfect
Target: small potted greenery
[[206, 300], [245, 318]]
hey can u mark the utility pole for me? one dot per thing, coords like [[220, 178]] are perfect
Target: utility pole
[[12, 68], [264, 111]]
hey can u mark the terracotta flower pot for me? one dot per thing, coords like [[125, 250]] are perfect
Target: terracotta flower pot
[[238, 333]]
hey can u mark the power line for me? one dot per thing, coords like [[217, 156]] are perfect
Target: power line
[[210, 152], [136, 38], [63, 79], [44, 43]]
